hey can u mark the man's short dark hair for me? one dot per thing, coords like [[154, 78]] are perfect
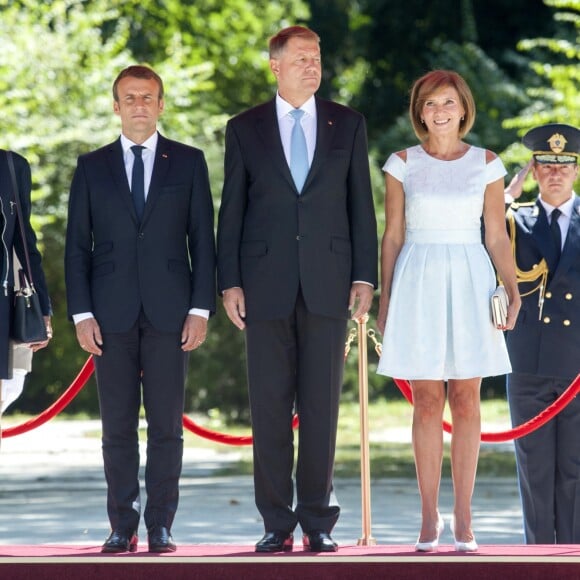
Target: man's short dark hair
[[138, 72]]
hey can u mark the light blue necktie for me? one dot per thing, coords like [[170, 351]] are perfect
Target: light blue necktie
[[298, 151]]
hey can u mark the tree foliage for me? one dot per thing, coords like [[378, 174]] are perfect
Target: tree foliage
[[553, 94], [59, 58], [57, 64]]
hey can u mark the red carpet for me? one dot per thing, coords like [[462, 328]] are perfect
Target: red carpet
[[504, 562]]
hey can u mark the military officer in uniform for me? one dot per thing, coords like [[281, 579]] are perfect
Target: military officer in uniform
[[544, 346]]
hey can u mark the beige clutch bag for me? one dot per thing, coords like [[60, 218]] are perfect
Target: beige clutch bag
[[499, 306]]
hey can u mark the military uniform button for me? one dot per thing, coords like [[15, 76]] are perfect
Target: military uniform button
[[568, 296], [546, 319], [566, 322], [548, 294]]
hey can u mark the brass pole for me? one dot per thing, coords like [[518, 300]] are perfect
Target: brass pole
[[365, 467]]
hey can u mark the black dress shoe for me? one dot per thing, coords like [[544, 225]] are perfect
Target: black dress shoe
[[160, 540], [319, 541], [120, 541], [275, 541]]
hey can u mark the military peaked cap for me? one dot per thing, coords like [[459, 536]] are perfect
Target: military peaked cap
[[554, 143]]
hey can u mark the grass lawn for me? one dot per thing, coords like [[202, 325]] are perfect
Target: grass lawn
[[391, 453]]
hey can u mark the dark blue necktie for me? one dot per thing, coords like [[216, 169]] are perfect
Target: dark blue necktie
[[556, 232], [138, 180], [298, 151]]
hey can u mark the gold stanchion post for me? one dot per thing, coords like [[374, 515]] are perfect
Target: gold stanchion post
[[365, 465]]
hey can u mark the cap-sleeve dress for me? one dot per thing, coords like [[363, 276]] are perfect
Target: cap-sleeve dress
[[439, 320]]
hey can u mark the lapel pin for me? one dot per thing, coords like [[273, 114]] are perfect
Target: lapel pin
[[330, 123], [164, 155]]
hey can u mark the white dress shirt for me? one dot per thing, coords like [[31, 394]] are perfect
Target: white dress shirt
[[564, 219], [286, 123], [148, 154]]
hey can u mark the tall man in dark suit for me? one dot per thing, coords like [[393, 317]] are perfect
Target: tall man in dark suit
[[544, 346], [297, 248], [140, 275]]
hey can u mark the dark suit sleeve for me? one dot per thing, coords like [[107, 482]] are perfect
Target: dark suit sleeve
[[231, 214], [201, 240], [362, 217], [23, 178], [78, 245]]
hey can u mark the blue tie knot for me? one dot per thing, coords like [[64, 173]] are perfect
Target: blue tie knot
[[137, 150], [297, 114]]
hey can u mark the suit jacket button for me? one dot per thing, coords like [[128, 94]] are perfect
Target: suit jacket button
[[566, 322], [548, 294], [298, 238], [141, 235], [568, 296], [546, 319]]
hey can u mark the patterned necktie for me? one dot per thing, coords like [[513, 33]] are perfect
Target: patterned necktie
[[138, 180], [556, 233], [298, 151]]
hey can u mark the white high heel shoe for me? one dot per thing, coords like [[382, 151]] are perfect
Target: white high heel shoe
[[470, 546], [433, 544]]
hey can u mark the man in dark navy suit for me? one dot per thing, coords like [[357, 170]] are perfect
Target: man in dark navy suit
[[544, 346], [297, 255], [140, 275]]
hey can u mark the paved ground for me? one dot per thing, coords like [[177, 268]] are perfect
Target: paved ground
[[52, 491]]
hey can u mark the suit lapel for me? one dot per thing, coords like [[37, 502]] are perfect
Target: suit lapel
[[117, 166], [158, 177], [269, 132], [325, 124], [543, 237], [570, 250]]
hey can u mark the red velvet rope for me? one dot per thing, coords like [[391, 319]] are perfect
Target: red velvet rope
[[521, 430], [80, 381], [196, 429], [57, 406], [88, 369]]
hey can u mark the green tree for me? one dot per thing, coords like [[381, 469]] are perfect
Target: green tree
[[57, 64], [553, 92], [53, 108], [386, 45]]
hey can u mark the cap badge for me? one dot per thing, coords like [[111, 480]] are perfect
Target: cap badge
[[557, 143]]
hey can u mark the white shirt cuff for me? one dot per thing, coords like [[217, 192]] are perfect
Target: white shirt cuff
[[85, 315], [200, 312], [82, 316], [363, 282]]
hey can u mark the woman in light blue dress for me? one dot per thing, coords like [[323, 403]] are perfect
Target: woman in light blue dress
[[437, 280]]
